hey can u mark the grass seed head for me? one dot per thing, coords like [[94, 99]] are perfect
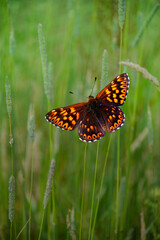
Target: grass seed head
[[8, 96], [49, 183], [11, 190], [31, 124], [121, 12]]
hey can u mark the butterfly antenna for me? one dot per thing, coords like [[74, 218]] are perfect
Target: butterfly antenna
[[93, 86], [77, 95]]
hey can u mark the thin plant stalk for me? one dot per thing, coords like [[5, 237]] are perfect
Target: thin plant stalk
[[118, 151], [17, 237], [31, 131], [11, 143], [11, 205], [129, 162], [101, 185], [42, 219], [93, 193], [117, 186], [11, 231], [9, 110], [47, 77], [50, 154], [50, 134], [30, 203], [48, 221], [47, 74], [82, 201], [49, 98], [54, 212], [121, 14], [120, 53], [47, 192], [137, 83]]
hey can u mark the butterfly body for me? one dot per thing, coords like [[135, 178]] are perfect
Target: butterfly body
[[92, 104], [99, 114]]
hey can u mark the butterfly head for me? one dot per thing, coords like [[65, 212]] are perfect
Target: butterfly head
[[91, 98]]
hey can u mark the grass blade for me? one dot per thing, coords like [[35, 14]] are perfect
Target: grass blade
[[145, 25]]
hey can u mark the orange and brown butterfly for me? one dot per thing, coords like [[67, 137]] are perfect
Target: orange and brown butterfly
[[99, 114]]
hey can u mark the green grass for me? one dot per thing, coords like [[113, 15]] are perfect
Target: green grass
[[116, 194]]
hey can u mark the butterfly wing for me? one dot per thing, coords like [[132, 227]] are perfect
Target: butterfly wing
[[89, 128], [68, 117], [115, 93], [112, 118]]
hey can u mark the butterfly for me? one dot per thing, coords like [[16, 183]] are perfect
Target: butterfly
[[99, 114]]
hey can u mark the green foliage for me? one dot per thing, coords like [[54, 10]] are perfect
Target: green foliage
[[145, 24], [121, 196]]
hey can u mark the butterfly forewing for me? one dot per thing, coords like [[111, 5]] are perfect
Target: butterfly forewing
[[115, 92], [89, 128], [68, 117]]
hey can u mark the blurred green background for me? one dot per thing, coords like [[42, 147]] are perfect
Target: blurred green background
[[76, 34]]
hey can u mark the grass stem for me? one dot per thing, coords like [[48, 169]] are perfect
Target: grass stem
[[30, 202], [82, 201], [101, 185], [117, 186], [40, 231], [118, 149], [93, 193]]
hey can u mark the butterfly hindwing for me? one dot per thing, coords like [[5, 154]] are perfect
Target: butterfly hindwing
[[115, 92], [89, 128], [113, 116], [68, 117]]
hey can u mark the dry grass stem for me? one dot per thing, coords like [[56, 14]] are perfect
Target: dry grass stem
[[144, 71], [143, 228], [22, 229]]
